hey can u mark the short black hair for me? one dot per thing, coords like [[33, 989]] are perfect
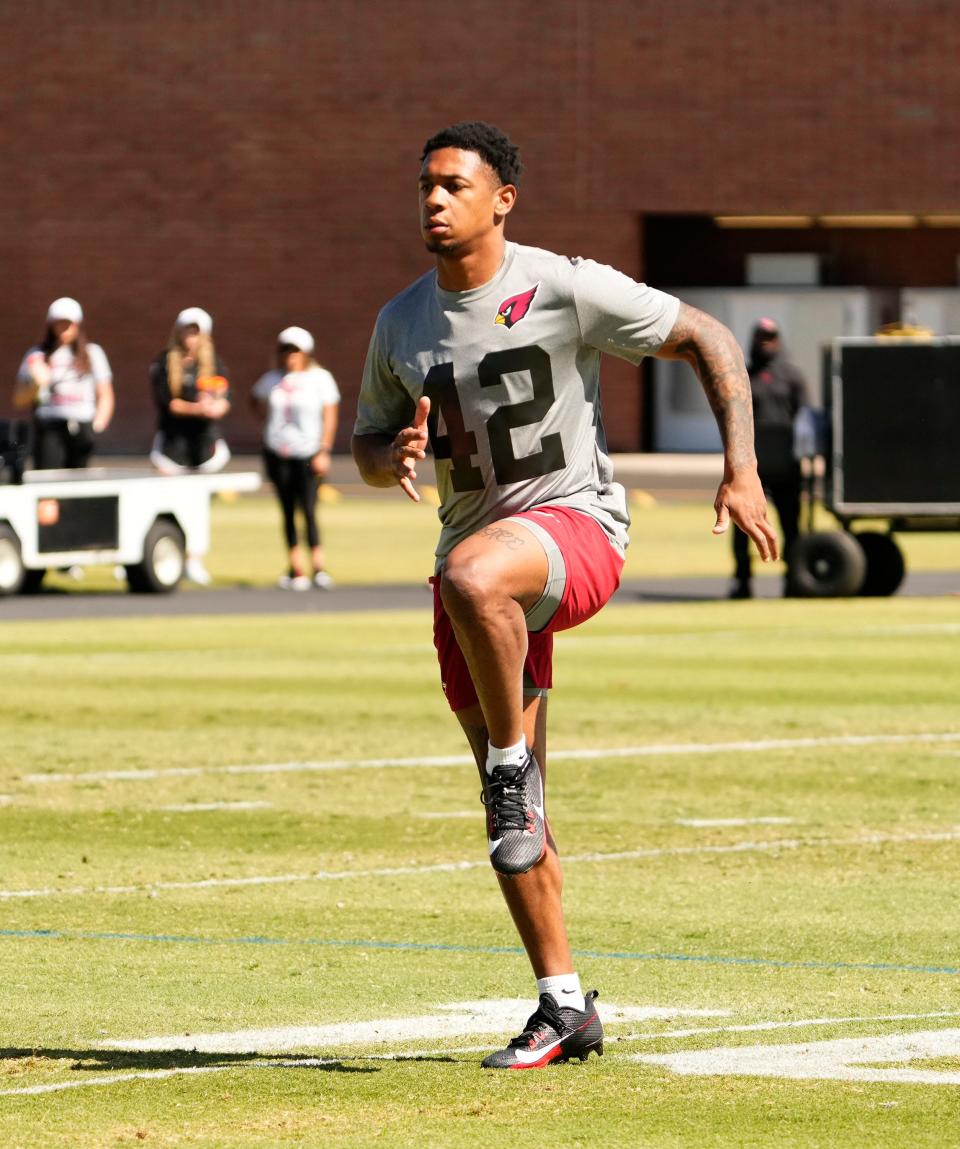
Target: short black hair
[[490, 144]]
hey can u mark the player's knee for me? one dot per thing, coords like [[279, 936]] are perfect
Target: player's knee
[[469, 582]]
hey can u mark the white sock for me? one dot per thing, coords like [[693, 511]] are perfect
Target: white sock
[[508, 756], [565, 988]]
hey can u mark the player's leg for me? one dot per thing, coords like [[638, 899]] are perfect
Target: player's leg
[[533, 898], [565, 1024], [489, 581]]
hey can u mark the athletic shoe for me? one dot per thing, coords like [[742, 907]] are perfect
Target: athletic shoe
[[322, 581], [293, 582], [196, 572], [513, 796], [552, 1033]]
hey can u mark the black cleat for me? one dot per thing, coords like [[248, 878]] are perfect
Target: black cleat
[[552, 1033], [513, 796]]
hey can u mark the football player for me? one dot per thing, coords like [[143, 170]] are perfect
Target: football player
[[492, 360]]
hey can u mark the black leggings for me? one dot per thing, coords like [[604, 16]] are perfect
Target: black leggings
[[61, 443], [296, 486]]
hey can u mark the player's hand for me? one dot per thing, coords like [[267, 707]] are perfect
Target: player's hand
[[741, 500], [409, 446]]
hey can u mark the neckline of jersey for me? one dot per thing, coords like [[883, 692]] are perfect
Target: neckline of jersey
[[458, 298]]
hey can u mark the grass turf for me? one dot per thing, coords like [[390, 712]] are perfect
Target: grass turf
[[367, 905], [390, 539]]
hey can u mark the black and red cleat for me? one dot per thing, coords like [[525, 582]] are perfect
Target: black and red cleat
[[552, 1033]]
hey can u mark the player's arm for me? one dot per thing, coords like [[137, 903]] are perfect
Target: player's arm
[[384, 460], [715, 356]]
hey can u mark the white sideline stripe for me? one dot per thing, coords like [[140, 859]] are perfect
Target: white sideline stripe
[[115, 1078], [843, 1059], [707, 823], [463, 866], [206, 807], [450, 1019], [766, 1026], [648, 751]]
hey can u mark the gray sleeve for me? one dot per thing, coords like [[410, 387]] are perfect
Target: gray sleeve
[[619, 315], [384, 406]]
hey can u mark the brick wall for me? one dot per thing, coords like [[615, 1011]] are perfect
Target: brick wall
[[258, 157]]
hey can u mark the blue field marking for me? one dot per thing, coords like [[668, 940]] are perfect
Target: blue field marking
[[443, 947]]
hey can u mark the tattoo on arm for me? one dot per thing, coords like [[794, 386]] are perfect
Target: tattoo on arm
[[715, 356]]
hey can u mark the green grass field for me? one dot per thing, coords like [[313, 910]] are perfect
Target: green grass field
[[389, 539], [757, 803]]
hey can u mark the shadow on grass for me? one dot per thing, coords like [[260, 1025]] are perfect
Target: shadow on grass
[[115, 1060]]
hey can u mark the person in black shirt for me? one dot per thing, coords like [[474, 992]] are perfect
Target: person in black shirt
[[192, 394], [779, 390]]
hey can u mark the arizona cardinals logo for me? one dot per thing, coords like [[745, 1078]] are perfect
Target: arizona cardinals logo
[[512, 310]]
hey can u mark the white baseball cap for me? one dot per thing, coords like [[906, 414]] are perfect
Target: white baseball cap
[[195, 315], [65, 308], [296, 337]]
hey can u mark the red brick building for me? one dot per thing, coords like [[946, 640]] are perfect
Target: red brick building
[[258, 158]]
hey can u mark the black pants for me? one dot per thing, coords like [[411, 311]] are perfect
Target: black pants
[[784, 493], [61, 443], [296, 486]]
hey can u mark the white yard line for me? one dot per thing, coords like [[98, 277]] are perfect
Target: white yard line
[[650, 750], [766, 1026], [472, 864], [450, 1019], [114, 1079], [709, 823], [207, 807]]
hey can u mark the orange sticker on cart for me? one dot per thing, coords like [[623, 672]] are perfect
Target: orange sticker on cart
[[48, 512]]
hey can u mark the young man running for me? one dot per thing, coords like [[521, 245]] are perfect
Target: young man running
[[493, 359]]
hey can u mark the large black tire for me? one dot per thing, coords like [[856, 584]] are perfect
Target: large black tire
[[33, 580], [164, 560], [826, 564], [12, 571], [885, 564]]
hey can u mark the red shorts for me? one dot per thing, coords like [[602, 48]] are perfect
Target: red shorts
[[593, 567]]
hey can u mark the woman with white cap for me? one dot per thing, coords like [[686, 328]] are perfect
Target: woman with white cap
[[67, 382], [192, 394], [298, 401]]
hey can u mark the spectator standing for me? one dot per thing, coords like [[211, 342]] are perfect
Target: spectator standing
[[66, 381], [779, 391], [192, 394], [298, 401]]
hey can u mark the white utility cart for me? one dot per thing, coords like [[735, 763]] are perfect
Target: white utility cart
[[143, 522]]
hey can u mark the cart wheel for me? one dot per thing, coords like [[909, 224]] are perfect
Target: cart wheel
[[826, 564], [164, 558], [885, 564], [12, 571], [33, 580]]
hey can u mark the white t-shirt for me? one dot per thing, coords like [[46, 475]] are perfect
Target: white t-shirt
[[295, 403], [69, 394]]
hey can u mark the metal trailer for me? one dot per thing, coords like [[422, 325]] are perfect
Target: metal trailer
[[143, 522], [892, 451]]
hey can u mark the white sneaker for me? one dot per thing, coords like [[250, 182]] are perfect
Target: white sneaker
[[196, 572], [322, 581], [293, 582]]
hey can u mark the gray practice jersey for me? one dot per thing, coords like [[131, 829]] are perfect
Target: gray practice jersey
[[512, 373]]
